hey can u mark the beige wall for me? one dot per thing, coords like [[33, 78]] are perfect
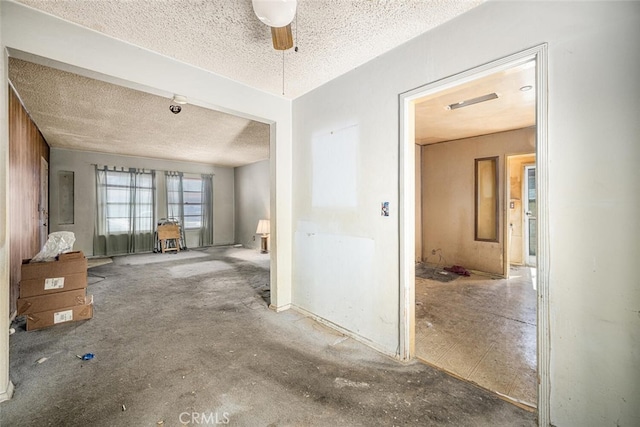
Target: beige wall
[[448, 198], [252, 202], [418, 254], [515, 224]]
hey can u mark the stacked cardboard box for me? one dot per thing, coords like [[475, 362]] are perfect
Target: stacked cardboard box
[[55, 292]]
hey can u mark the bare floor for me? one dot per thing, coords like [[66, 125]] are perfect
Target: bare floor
[[482, 330], [187, 339]]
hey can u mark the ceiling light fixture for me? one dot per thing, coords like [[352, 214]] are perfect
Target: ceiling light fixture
[[472, 101], [526, 88], [277, 14], [179, 99]]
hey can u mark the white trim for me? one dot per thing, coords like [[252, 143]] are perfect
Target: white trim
[[407, 202], [542, 261], [281, 308], [7, 395], [6, 387]]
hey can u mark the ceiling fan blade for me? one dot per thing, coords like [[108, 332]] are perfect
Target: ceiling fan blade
[[282, 37]]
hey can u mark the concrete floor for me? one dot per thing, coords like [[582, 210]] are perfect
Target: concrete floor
[[187, 339], [482, 330]]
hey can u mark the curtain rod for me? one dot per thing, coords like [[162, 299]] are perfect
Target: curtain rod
[[124, 169]]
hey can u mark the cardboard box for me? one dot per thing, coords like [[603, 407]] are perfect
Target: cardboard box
[[52, 285], [53, 301], [69, 272], [48, 318], [71, 256]]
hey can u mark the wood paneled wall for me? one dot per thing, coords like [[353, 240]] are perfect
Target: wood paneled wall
[[26, 148]]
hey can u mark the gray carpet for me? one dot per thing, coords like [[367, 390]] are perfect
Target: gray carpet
[[177, 336]]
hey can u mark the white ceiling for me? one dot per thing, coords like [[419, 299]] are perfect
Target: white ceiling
[[225, 36], [222, 36], [513, 109]]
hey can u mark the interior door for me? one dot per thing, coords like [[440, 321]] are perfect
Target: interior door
[[43, 205], [530, 224]]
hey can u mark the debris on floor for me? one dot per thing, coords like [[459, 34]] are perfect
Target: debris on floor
[[87, 356], [343, 382], [459, 270], [434, 273]]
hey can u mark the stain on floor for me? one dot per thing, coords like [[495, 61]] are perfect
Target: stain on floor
[[203, 348]]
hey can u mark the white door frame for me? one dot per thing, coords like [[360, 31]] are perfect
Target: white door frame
[[407, 181]]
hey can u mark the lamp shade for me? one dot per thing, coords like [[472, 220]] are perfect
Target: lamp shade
[[275, 13], [263, 227]]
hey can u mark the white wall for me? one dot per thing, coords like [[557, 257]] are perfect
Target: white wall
[[252, 202], [594, 100], [82, 164]]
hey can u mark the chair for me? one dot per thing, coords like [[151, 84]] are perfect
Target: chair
[[169, 237]]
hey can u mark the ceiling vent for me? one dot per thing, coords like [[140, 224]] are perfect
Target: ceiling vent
[[472, 101]]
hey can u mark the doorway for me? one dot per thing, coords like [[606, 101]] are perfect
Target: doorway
[[530, 214], [43, 203], [409, 240]]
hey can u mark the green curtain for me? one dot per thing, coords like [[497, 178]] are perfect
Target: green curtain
[[125, 211], [206, 230], [175, 202]]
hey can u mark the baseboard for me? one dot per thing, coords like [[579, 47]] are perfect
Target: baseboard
[[280, 308], [347, 332], [6, 395]]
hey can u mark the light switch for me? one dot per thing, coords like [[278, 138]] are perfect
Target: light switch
[[384, 211]]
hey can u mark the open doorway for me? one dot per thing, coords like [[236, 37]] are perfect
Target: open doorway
[[476, 326]]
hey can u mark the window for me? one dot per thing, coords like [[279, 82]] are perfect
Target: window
[[129, 202], [190, 200], [192, 207]]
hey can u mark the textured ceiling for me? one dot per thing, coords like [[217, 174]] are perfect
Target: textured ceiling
[[225, 36], [79, 113]]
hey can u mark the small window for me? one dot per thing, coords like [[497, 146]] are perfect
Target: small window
[[486, 199]]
